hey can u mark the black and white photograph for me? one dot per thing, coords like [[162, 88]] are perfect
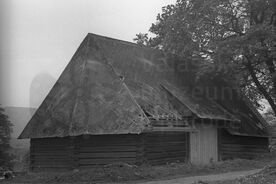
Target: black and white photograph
[[138, 91]]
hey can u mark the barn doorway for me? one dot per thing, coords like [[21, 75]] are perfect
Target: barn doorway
[[203, 144]]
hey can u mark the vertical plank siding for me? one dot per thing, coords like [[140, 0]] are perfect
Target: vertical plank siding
[[203, 144], [246, 147], [90, 151]]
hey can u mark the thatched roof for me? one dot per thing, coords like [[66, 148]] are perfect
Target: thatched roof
[[112, 87]]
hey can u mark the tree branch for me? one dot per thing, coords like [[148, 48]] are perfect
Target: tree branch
[[259, 86]]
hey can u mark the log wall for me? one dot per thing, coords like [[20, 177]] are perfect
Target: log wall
[[246, 147], [166, 147], [90, 151], [106, 149], [49, 154], [153, 148]]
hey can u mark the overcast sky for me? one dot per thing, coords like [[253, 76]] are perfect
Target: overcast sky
[[38, 37]]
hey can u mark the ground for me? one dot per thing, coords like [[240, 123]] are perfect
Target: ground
[[266, 176], [205, 179], [121, 172]]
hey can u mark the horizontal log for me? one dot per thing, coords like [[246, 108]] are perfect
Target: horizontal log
[[44, 164], [173, 129], [241, 154], [107, 149], [165, 150], [125, 142], [49, 153], [43, 142], [244, 142], [53, 147], [49, 166], [83, 162], [166, 139], [227, 157], [50, 156], [107, 155], [107, 138], [107, 144], [245, 139], [50, 162], [168, 144], [181, 146], [66, 157], [158, 143], [168, 134], [164, 161], [61, 157], [244, 151], [50, 140], [161, 156], [111, 146], [225, 149], [244, 146], [53, 144]]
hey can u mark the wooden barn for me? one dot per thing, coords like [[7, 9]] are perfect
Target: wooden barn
[[120, 102]]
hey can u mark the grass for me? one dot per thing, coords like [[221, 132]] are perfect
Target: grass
[[266, 176], [121, 172]]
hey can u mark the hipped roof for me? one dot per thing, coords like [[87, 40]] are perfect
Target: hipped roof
[[105, 88]]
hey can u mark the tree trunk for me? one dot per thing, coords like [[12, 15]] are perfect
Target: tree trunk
[[271, 68], [260, 87]]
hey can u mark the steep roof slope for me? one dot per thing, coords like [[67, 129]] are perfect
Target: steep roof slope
[[149, 69], [88, 98], [251, 121], [107, 88], [234, 101]]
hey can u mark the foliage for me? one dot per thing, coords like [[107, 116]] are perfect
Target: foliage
[[141, 39], [5, 135], [234, 39], [270, 117]]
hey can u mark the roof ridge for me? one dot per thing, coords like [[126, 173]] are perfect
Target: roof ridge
[[129, 43], [110, 38], [131, 96], [76, 100], [128, 90]]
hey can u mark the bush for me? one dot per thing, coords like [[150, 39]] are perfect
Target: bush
[[5, 135]]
